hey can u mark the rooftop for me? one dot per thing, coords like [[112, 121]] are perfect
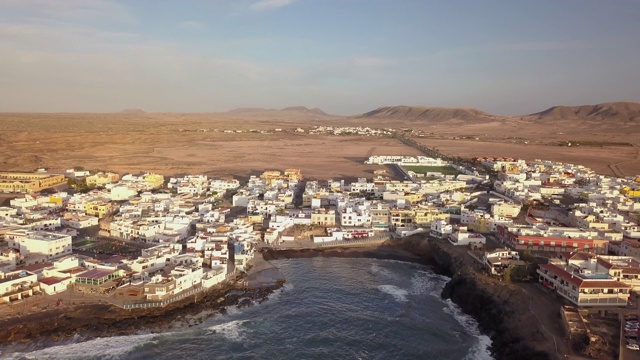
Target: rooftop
[[45, 236], [96, 274]]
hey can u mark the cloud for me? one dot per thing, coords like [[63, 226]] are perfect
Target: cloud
[[192, 25], [73, 9], [262, 5], [544, 45]]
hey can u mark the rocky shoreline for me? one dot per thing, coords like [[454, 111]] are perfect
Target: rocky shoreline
[[105, 320], [496, 306]]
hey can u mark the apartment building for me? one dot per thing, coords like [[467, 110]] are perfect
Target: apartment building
[[16, 182], [48, 244], [102, 179], [583, 288]]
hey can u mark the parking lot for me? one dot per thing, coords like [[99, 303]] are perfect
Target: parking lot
[[630, 341]]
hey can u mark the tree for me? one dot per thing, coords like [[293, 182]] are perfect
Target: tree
[[516, 273], [78, 168]]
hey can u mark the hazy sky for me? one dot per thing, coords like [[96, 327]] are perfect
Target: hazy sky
[[344, 56]]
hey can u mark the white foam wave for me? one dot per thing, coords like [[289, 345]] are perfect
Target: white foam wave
[[378, 270], [115, 347], [424, 282], [481, 350], [232, 330], [276, 294], [399, 294]]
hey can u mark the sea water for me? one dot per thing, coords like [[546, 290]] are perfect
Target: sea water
[[329, 308]]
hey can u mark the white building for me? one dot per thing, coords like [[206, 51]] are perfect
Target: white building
[[17, 286], [506, 209], [463, 237], [441, 229], [51, 245]]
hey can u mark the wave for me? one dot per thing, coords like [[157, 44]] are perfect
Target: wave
[[232, 330], [482, 349], [398, 293], [102, 348], [378, 270], [425, 282]]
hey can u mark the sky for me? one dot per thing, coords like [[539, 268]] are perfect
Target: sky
[[344, 56]]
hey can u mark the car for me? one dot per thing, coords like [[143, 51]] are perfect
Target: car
[[633, 347], [631, 317]]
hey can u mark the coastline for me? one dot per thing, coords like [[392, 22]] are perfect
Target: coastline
[[494, 305], [105, 320]]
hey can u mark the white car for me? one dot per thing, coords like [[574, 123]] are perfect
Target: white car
[[633, 347]]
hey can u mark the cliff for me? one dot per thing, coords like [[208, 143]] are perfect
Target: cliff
[[500, 308], [104, 320]]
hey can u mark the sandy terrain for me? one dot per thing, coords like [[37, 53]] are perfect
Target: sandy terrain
[[197, 143], [155, 143], [596, 158]]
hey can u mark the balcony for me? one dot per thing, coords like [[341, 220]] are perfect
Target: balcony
[[618, 299]]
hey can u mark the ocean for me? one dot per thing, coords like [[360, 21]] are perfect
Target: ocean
[[329, 308]]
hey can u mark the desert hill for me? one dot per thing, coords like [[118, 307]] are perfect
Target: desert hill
[[306, 110], [133, 111], [431, 114], [607, 113], [291, 109], [615, 112]]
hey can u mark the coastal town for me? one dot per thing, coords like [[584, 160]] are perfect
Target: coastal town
[[146, 240]]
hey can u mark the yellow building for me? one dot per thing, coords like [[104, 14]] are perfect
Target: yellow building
[[102, 179], [11, 182], [481, 224], [413, 198], [425, 216], [324, 218], [155, 180], [289, 174], [293, 174], [419, 217], [97, 208], [401, 217], [631, 192]]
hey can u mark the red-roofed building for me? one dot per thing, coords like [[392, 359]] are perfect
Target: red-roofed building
[[552, 244], [54, 285], [584, 289]]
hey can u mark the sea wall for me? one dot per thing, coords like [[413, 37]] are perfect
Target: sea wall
[[496, 306]]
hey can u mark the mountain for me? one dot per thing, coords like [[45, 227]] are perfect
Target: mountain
[[291, 109], [133, 111], [431, 114], [306, 110], [614, 112], [248, 110]]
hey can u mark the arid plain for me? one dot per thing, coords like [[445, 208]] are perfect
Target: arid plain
[[197, 143]]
